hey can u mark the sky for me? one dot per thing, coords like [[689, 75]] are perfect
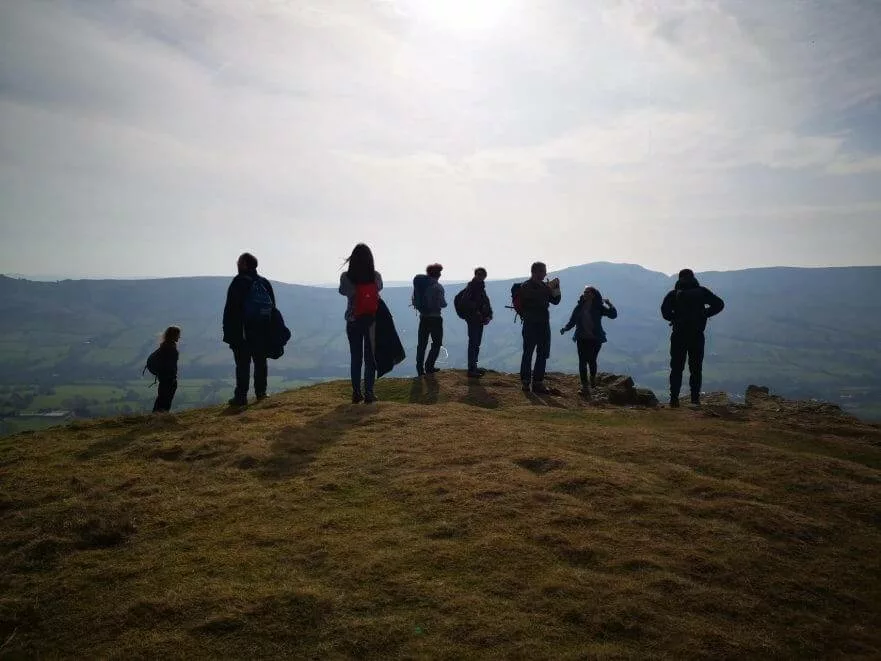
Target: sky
[[145, 138]]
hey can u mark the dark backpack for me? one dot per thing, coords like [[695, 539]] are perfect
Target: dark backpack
[[461, 304], [517, 300], [366, 300], [152, 365], [258, 302], [279, 336], [420, 286]]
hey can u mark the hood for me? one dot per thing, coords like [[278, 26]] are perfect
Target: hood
[[687, 283]]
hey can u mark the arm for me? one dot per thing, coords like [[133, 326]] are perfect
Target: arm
[[232, 313], [668, 306], [611, 311], [714, 304], [573, 319], [378, 279], [269, 289], [346, 287], [441, 296]]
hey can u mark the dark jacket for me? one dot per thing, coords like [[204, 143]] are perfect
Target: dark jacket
[[387, 348], [597, 312], [166, 361], [476, 303], [235, 330], [689, 305], [536, 299]]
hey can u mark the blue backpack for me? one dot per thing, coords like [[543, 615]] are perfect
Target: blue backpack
[[420, 285], [258, 302]]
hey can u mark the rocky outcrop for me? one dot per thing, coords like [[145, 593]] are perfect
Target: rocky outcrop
[[620, 390]]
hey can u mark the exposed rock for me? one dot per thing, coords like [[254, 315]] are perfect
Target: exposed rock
[[620, 391], [756, 393]]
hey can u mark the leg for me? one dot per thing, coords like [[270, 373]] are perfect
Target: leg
[[356, 351], [437, 339], [543, 344], [678, 351], [164, 395], [369, 361], [261, 373], [696, 365], [421, 343], [475, 332], [593, 354], [582, 360], [243, 372], [528, 350]]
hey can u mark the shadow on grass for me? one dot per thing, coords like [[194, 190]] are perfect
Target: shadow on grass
[[479, 396], [295, 447], [544, 400], [425, 390]]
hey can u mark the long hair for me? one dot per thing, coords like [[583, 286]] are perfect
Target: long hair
[[171, 335], [360, 265], [597, 297]]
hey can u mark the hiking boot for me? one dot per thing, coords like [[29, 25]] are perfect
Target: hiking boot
[[593, 382], [540, 388], [696, 399], [674, 402], [369, 398], [262, 396], [474, 374], [584, 391], [420, 373], [525, 386], [237, 401], [431, 370], [357, 398], [481, 370]]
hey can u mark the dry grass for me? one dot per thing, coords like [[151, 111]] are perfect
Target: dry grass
[[449, 521]]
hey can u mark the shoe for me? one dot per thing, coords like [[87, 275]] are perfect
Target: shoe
[[431, 370], [369, 398], [474, 374], [357, 398], [235, 401], [481, 370], [540, 388], [261, 397], [593, 382], [420, 373], [674, 402], [696, 399], [584, 391], [525, 386]]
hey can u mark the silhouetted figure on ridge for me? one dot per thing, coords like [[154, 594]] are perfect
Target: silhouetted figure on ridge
[[163, 363], [361, 284], [247, 327], [587, 320], [472, 304], [687, 307], [429, 299], [532, 300]]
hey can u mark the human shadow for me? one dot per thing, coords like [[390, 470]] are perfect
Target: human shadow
[[424, 390], [294, 447], [478, 396], [544, 400]]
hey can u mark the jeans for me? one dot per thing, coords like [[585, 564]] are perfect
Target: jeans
[[166, 390], [361, 350], [536, 339], [244, 356], [475, 336], [688, 344], [588, 350], [432, 327]]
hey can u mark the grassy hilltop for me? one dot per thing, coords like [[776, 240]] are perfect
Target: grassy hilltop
[[451, 520]]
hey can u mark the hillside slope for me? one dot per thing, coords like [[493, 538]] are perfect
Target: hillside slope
[[452, 520]]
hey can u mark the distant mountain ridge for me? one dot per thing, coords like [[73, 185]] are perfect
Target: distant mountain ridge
[[805, 332]]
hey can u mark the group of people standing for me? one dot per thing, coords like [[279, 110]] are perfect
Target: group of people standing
[[251, 324]]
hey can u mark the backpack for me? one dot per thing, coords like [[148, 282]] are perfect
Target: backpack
[[420, 286], [152, 365], [258, 302], [366, 300], [460, 303], [279, 336], [517, 300]]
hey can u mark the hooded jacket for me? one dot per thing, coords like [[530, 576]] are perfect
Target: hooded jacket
[[595, 315], [477, 303], [689, 305]]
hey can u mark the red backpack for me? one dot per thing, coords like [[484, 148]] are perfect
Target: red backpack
[[366, 300]]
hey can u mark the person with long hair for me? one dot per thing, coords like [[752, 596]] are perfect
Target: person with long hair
[[166, 369], [361, 284], [587, 320]]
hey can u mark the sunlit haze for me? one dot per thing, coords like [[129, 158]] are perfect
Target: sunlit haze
[[148, 138]]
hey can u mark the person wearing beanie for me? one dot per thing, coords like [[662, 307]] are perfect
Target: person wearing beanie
[[431, 322], [687, 308]]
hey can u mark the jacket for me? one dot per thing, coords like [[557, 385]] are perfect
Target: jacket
[[433, 299], [477, 306], [167, 361], [596, 314], [387, 348], [236, 330], [536, 299], [688, 306], [348, 288]]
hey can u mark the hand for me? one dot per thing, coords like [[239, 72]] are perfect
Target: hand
[[607, 301], [562, 331]]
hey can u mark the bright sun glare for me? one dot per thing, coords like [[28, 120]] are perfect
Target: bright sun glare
[[459, 15]]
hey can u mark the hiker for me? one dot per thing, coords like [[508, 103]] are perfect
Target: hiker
[[163, 363], [472, 304], [587, 320], [532, 300], [429, 299], [361, 284], [687, 307], [247, 327]]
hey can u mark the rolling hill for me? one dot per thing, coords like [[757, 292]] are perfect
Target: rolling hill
[[455, 519], [804, 332]]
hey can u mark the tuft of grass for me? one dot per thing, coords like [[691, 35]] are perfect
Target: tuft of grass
[[453, 519]]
